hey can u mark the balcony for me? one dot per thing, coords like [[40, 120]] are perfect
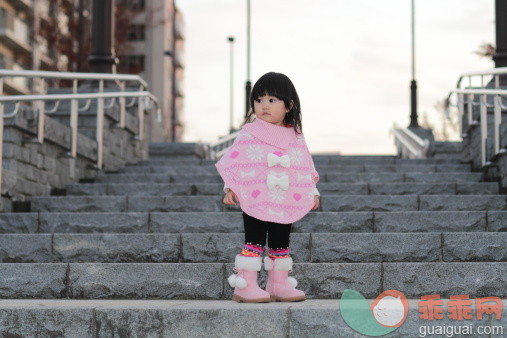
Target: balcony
[[180, 29], [43, 9], [13, 85], [21, 5], [180, 58], [180, 90], [43, 53], [14, 32]]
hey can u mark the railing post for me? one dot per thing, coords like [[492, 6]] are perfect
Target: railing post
[[498, 114], [100, 125], [470, 107], [74, 104], [461, 113], [122, 106], [484, 129], [498, 121], [140, 114], [41, 106]]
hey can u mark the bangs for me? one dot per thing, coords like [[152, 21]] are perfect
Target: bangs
[[280, 86], [272, 84]]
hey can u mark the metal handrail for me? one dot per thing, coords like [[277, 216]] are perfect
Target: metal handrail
[[215, 150], [72, 76], [482, 73], [411, 142], [80, 96], [58, 97], [466, 96], [39, 100], [489, 72]]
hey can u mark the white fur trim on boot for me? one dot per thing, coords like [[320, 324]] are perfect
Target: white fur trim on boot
[[284, 264], [292, 281], [268, 263], [248, 263], [236, 282]]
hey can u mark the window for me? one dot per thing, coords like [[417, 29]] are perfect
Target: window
[[133, 4], [135, 33], [131, 64]]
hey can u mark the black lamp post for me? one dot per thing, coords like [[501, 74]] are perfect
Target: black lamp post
[[231, 103], [102, 58], [500, 56], [248, 86], [413, 82]]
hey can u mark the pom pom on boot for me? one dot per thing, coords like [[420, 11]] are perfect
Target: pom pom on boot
[[236, 282], [244, 282]]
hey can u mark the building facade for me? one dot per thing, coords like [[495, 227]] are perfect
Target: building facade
[[15, 42], [43, 35], [56, 35], [154, 49]]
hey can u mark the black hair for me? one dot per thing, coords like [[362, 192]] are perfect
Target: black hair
[[281, 87]]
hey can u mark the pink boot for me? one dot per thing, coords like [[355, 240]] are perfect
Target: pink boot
[[281, 287], [245, 281]]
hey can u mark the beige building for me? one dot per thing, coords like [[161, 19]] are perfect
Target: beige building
[[56, 35], [155, 42], [43, 35], [15, 42]]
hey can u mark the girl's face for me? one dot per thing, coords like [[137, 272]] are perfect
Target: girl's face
[[270, 109]]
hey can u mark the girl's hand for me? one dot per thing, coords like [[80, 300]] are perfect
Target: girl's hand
[[229, 197], [316, 199]]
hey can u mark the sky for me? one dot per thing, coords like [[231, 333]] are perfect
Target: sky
[[350, 61]]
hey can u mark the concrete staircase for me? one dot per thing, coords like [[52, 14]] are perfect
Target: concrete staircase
[[147, 251]]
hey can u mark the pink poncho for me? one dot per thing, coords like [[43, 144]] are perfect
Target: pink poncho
[[270, 169]]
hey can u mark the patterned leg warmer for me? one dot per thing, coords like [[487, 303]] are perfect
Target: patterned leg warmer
[[278, 253], [252, 250]]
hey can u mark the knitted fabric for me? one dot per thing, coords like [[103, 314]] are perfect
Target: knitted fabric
[[252, 250], [270, 169], [279, 253]]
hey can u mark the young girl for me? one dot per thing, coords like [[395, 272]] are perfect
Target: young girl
[[270, 171]]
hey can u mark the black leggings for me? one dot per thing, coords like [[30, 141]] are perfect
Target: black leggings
[[255, 232]]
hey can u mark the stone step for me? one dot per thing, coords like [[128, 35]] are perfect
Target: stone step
[[367, 159], [188, 189], [448, 146], [214, 203], [209, 280], [224, 318], [220, 247], [172, 149], [415, 177], [412, 202], [232, 222], [207, 169], [324, 160], [171, 161]]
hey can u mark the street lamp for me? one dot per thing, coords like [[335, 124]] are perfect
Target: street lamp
[[248, 87], [231, 104], [102, 58], [413, 83], [500, 56]]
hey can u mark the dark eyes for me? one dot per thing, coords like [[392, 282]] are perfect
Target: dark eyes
[[270, 100]]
